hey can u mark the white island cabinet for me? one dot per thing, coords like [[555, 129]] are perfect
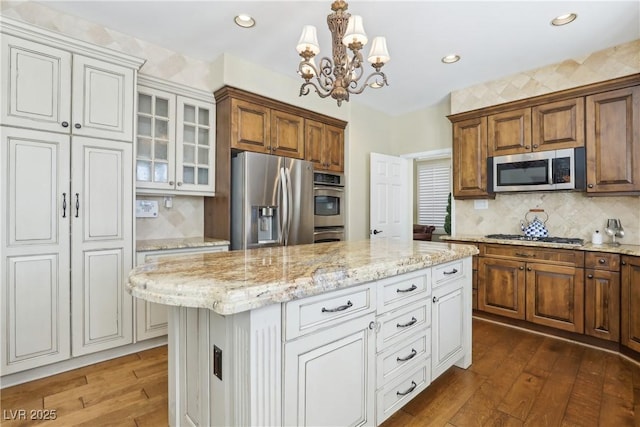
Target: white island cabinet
[[340, 333]]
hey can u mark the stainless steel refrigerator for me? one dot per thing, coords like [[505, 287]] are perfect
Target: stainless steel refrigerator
[[271, 201]]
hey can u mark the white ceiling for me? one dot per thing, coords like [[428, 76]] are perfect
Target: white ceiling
[[494, 38]]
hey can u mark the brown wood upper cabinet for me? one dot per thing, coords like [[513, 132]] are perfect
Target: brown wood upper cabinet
[[265, 130], [613, 141], [544, 127], [509, 132], [470, 159], [324, 146], [558, 125]]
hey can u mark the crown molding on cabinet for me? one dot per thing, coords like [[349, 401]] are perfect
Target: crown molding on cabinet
[[176, 88], [51, 38]]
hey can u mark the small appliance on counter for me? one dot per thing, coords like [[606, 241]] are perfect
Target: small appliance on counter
[[596, 238]]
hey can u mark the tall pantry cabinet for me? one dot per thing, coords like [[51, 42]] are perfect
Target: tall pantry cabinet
[[67, 197]]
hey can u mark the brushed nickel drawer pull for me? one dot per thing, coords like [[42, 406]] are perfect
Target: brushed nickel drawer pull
[[409, 357], [454, 271], [412, 288], [525, 255], [409, 323], [409, 390], [341, 308]]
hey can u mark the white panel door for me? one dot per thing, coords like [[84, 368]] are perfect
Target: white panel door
[[341, 360], [102, 244], [34, 269], [195, 151], [389, 207], [36, 81], [447, 330], [103, 98]]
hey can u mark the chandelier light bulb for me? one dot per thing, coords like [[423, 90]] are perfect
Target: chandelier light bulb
[[355, 31], [379, 52], [308, 40]]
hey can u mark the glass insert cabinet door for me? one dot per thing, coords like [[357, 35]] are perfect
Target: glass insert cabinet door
[[194, 150], [155, 139]]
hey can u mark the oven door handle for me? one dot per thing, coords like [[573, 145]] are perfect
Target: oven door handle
[[336, 189]]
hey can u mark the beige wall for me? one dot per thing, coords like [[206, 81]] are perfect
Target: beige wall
[[571, 214]]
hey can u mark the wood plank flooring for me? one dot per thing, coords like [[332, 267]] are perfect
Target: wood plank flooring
[[516, 379]]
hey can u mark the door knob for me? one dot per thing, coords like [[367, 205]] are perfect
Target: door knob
[[377, 231]]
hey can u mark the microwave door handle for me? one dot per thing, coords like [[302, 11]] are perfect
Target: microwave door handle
[[550, 175]]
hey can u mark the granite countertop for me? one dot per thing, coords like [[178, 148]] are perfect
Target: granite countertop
[[633, 250], [178, 243], [236, 281]]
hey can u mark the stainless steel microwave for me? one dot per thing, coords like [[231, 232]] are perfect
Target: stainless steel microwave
[[543, 170]]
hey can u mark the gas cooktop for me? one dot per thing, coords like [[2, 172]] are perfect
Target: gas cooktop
[[567, 240]]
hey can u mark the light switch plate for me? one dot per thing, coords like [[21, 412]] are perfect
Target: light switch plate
[[146, 209]]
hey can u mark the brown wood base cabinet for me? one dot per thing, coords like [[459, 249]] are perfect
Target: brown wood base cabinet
[[630, 298], [602, 296], [555, 296], [542, 286]]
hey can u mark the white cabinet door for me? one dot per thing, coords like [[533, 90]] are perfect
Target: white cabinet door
[[36, 81], [329, 377], [448, 334], [103, 97], [195, 151], [102, 245], [35, 249], [155, 140]]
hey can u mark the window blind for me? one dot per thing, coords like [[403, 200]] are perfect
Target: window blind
[[433, 188]]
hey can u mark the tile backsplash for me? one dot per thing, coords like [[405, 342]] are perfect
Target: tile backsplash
[[571, 214], [184, 219]]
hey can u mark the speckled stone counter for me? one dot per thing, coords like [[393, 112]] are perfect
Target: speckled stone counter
[[237, 281], [178, 243], [633, 250]]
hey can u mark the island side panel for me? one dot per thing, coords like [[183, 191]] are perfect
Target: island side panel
[[250, 390]]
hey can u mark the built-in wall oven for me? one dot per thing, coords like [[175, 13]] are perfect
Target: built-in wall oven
[[329, 206]]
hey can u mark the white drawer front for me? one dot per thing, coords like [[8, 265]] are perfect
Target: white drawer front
[[397, 393], [397, 291], [403, 356], [448, 272], [402, 322], [310, 314]]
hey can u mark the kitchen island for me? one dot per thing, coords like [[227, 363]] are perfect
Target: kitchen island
[[340, 333]]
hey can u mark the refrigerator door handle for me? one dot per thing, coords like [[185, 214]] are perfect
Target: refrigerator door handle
[[285, 208], [289, 203]]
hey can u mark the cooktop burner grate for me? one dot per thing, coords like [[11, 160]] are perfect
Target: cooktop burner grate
[[567, 240]]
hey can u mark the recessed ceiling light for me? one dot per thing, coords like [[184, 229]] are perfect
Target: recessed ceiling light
[[244, 21], [450, 59], [564, 19]]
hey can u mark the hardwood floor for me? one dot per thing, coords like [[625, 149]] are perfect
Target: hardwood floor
[[516, 379]]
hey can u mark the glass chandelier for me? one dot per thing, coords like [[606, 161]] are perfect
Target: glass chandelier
[[341, 76]]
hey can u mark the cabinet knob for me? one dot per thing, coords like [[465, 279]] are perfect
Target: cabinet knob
[[171, 182], [179, 184], [527, 147], [590, 276], [77, 126], [528, 268], [535, 145], [521, 268], [590, 185], [602, 261], [65, 124], [624, 262]]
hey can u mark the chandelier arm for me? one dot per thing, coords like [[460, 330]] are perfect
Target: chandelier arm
[[365, 84], [321, 91]]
